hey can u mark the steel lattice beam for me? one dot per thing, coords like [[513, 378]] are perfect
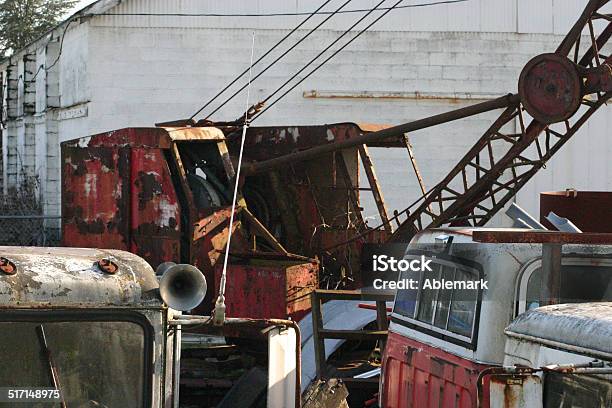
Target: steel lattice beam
[[500, 163]]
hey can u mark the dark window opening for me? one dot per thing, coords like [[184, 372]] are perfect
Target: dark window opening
[[453, 310], [98, 363], [579, 284]]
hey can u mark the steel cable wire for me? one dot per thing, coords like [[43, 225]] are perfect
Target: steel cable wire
[[387, 10], [259, 60], [277, 59]]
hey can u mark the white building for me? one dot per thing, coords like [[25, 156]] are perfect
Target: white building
[[109, 66]]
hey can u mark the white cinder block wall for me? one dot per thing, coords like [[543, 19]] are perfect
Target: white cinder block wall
[[118, 71]]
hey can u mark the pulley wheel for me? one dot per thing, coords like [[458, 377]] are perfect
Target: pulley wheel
[[550, 88]]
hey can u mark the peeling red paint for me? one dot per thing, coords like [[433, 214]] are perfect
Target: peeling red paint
[[420, 376], [255, 285]]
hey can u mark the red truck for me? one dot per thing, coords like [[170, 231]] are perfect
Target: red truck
[[441, 342]]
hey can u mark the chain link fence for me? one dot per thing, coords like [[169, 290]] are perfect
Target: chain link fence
[[22, 221]]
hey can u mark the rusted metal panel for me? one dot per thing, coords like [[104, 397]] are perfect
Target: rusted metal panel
[[534, 237], [515, 391], [95, 197], [420, 376], [155, 213], [122, 198], [269, 288], [147, 137], [72, 277], [207, 252], [573, 204]]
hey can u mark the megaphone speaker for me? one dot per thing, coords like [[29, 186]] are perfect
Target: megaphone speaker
[[182, 287]]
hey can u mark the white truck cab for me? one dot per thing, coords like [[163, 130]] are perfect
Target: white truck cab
[[556, 356], [99, 327]]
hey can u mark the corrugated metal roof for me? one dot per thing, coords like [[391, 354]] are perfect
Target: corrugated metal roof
[[524, 16]]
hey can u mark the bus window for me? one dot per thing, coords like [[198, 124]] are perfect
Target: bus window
[[427, 298], [405, 300], [463, 309], [579, 284], [444, 299], [440, 310]]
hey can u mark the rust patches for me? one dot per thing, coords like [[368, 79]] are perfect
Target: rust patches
[[208, 224], [279, 288], [106, 265], [64, 292], [149, 187], [93, 201], [7, 267], [540, 237], [263, 143]]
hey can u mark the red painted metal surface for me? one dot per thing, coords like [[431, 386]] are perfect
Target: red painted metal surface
[[95, 197], [588, 210], [265, 288], [154, 210], [416, 375], [120, 197], [127, 189]]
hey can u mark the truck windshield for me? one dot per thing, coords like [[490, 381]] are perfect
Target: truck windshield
[[98, 364]]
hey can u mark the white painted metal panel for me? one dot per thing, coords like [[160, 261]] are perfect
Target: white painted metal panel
[[535, 16], [515, 392], [583, 163], [565, 14], [282, 372], [473, 15]]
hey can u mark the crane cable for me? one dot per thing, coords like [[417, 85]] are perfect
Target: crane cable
[[219, 311], [280, 57], [258, 61], [328, 58]]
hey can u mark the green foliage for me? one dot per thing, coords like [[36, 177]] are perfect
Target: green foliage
[[23, 21]]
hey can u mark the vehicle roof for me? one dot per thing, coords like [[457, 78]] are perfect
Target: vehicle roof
[[580, 327], [70, 277], [152, 137]]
